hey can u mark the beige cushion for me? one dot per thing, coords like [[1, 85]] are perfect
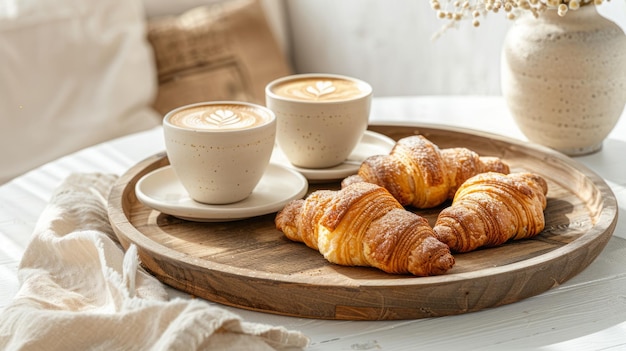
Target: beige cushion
[[74, 73], [220, 51]]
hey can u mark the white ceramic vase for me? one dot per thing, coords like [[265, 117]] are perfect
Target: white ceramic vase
[[564, 78]]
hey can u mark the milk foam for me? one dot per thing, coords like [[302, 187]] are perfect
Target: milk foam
[[320, 89], [220, 117]]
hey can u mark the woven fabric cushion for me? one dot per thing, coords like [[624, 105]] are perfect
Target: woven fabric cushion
[[74, 73], [220, 51]]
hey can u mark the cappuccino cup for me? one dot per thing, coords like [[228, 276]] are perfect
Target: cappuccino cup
[[320, 117], [219, 150]]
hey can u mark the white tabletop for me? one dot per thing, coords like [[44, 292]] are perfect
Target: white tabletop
[[588, 312]]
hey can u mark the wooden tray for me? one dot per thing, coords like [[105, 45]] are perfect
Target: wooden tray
[[249, 264]]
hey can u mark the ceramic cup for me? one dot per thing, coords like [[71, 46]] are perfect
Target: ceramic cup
[[219, 150], [320, 117]]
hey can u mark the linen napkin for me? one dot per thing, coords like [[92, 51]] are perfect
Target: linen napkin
[[80, 291]]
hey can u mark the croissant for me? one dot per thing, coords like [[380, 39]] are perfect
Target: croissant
[[492, 208], [363, 225], [416, 172]]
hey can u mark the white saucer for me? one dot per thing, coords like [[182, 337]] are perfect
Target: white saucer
[[371, 143], [162, 191]]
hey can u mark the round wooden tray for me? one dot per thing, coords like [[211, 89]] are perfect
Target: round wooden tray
[[250, 264]]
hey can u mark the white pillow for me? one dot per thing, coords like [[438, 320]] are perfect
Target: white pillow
[[73, 73]]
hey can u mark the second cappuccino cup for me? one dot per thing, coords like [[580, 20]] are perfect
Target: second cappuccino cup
[[320, 117], [219, 150]]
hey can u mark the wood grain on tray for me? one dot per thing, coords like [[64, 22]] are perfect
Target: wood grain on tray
[[249, 263]]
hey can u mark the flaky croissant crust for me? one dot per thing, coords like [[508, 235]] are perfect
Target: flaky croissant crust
[[363, 225], [418, 173], [491, 208]]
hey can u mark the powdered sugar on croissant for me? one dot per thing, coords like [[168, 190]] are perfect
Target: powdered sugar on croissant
[[418, 173], [363, 225]]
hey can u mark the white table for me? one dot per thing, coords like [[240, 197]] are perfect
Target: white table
[[588, 312]]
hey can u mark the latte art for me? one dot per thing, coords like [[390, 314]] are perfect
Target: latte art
[[319, 89], [222, 118], [219, 117], [322, 87]]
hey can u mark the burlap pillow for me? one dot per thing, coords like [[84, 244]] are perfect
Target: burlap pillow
[[221, 51]]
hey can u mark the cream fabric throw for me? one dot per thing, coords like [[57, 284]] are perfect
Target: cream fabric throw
[[79, 291]]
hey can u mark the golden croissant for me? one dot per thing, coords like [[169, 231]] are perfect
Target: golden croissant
[[363, 225], [416, 172], [491, 208]]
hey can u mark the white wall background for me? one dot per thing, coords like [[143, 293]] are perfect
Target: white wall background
[[389, 44]]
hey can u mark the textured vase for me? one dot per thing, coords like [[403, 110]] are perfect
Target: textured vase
[[564, 78]]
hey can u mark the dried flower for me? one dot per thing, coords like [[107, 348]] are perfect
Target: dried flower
[[456, 10]]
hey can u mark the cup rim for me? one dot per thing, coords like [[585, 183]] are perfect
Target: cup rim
[[166, 118], [367, 92]]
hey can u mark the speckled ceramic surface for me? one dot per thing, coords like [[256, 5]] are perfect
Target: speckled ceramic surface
[[221, 150], [320, 118], [564, 78]]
